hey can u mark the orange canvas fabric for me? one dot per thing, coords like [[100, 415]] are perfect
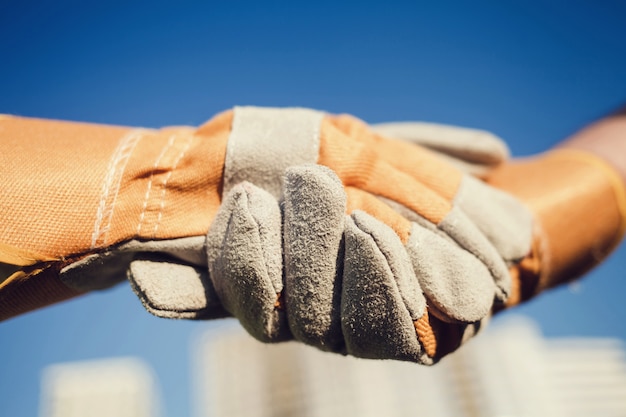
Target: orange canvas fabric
[[51, 180], [579, 202], [421, 163], [72, 188], [379, 167], [33, 288]]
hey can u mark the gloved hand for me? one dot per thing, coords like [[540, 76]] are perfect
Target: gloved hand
[[578, 203], [435, 252], [324, 301], [577, 199]]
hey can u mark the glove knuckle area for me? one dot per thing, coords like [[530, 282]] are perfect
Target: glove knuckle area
[[363, 160], [245, 263], [458, 286], [469, 237], [380, 296], [503, 219]]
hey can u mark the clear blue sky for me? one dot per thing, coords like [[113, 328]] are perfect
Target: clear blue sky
[[531, 71]]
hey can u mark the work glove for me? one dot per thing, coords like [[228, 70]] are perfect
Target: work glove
[[577, 200], [578, 203], [366, 295], [358, 284]]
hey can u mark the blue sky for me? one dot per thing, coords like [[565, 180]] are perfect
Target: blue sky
[[531, 71]]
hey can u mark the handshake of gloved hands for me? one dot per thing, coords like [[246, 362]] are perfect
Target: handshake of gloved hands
[[335, 236], [328, 232]]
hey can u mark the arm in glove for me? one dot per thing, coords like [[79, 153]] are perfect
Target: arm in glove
[[375, 252], [576, 193], [578, 197]]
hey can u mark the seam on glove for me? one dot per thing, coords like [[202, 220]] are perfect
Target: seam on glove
[[155, 166], [180, 156], [425, 335], [111, 185]]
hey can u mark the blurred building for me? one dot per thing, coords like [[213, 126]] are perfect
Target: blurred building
[[123, 387], [509, 371]]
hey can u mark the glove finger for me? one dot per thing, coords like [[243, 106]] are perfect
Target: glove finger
[[168, 288], [465, 233], [505, 221], [380, 295], [495, 213], [501, 232], [397, 259], [459, 284], [314, 217], [245, 261], [471, 147]]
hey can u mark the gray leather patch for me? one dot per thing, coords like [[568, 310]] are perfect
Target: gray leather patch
[[314, 214], [264, 142], [245, 261], [172, 290], [374, 317], [505, 221]]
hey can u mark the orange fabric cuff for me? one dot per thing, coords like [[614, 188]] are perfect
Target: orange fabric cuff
[[74, 188], [579, 202], [70, 189]]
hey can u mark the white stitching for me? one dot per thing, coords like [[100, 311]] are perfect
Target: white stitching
[[111, 185], [170, 142], [167, 178]]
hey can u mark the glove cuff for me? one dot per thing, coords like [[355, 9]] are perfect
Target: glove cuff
[[579, 203]]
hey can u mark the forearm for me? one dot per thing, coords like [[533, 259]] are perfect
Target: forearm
[[606, 139]]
